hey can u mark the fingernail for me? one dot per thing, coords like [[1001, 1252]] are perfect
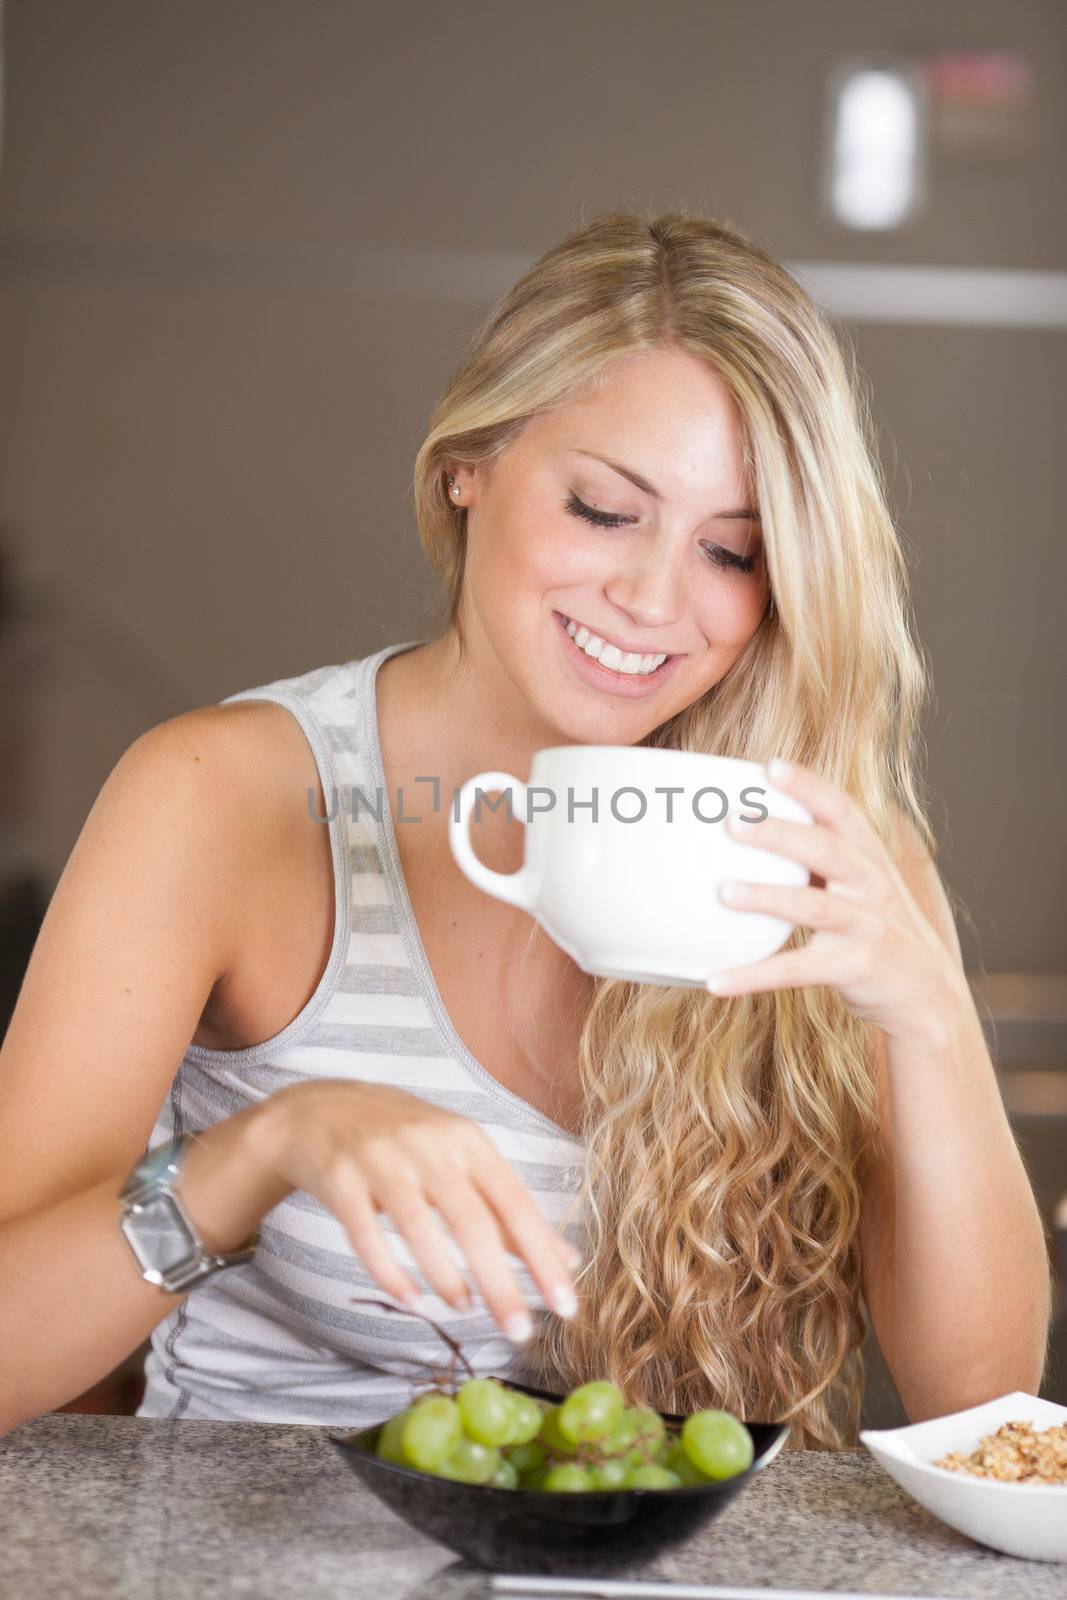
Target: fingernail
[[563, 1301], [779, 770], [574, 1257], [518, 1326], [732, 893], [416, 1302], [717, 982]]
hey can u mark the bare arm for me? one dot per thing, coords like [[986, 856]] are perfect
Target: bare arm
[[73, 1305], [138, 931], [143, 924], [956, 1271]]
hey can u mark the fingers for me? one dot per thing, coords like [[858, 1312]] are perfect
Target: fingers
[[813, 846], [414, 1219], [529, 1235], [455, 1201], [479, 1236], [810, 908], [826, 801], [343, 1190], [792, 970]]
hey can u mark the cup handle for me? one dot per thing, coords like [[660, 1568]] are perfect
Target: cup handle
[[514, 887]]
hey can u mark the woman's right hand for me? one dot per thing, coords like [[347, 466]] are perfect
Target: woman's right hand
[[362, 1148]]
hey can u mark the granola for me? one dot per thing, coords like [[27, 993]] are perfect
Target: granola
[[1016, 1453]]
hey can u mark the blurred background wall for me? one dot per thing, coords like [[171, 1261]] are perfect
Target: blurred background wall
[[242, 245]]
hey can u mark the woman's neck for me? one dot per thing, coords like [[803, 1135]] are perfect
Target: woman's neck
[[445, 717]]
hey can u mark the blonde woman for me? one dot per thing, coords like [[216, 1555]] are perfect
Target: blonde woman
[[362, 1078]]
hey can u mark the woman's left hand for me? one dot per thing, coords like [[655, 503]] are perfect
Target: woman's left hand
[[870, 940]]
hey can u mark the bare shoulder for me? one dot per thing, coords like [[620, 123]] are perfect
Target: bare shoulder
[[173, 866], [253, 737], [235, 779], [252, 755]]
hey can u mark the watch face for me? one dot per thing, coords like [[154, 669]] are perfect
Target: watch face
[[158, 1235]]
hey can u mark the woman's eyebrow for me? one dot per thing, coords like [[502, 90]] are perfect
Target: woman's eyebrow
[[743, 513]]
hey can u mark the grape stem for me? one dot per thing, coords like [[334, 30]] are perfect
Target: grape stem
[[385, 1305]]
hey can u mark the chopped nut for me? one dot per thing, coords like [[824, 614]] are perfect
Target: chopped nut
[[1016, 1453]]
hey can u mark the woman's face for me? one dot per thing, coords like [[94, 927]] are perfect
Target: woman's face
[[679, 569]]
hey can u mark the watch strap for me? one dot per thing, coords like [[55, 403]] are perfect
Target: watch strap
[[151, 1184]]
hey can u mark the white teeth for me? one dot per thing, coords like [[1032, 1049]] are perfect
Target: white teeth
[[610, 655]]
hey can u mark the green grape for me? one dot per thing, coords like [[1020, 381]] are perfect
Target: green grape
[[717, 1443], [533, 1479], [526, 1418], [389, 1439], [431, 1431], [505, 1476], [610, 1474], [653, 1477], [651, 1428], [469, 1461], [486, 1410], [569, 1476], [526, 1456], [622, 1437], [550, 1436], [679, 1463], [591, 1411]]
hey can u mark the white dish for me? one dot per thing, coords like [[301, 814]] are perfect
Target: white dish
[[1020, 1519]]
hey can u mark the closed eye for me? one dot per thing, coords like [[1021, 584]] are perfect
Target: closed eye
[[716, 553]]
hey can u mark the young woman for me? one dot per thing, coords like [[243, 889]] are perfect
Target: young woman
[[656, 444]]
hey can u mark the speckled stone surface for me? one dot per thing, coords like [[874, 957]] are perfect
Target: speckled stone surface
[[106, 1506]]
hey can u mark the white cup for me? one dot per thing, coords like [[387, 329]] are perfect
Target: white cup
[[633, 893]]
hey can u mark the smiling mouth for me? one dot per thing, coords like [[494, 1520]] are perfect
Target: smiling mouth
[[612, 656]]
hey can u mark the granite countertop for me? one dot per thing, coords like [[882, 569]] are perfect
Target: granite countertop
[[124, 1506]]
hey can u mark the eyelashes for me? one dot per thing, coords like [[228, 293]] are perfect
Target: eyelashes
[[716, 554]]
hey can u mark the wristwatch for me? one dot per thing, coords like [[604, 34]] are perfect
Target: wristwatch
[[159, 1231]]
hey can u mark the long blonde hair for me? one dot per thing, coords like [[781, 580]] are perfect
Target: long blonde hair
[[725, 1137]]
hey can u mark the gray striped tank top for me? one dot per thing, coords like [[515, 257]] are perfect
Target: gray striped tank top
[[277, 1340]]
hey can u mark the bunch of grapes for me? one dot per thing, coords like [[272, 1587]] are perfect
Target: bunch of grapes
[[486, 1433]]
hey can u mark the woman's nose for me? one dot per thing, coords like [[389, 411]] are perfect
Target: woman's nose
[[650, 587]]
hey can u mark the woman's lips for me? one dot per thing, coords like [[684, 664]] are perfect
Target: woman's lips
[[631, 685], [623, 649]]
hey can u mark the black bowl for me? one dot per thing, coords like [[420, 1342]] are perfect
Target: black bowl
[[531, 1530]]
